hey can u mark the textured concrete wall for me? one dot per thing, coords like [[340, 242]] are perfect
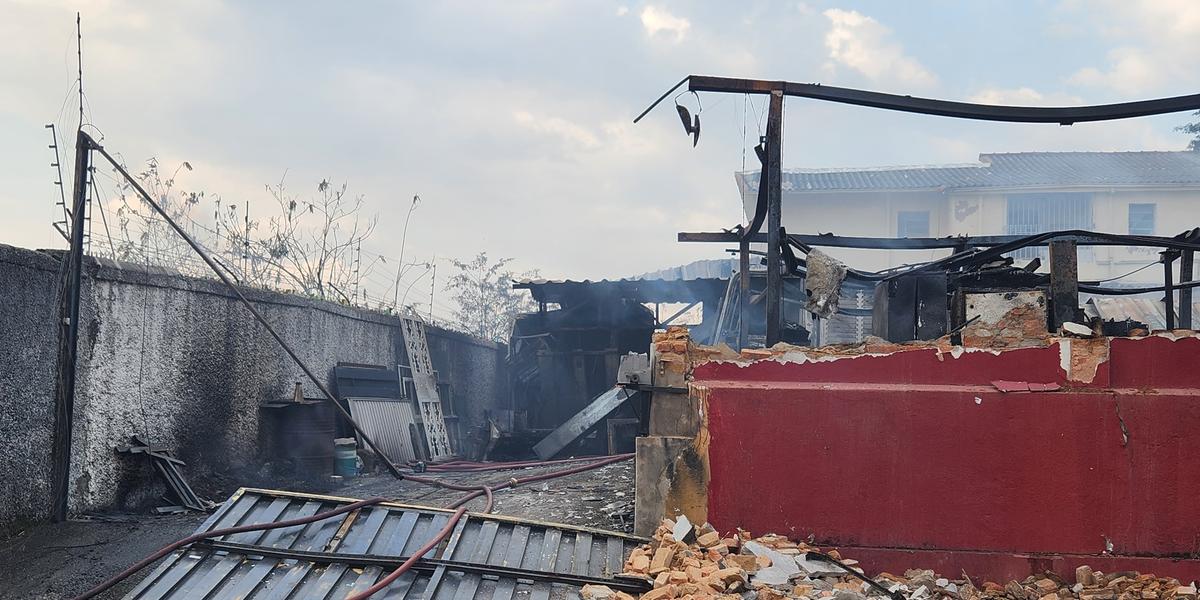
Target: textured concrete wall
[[475, 370], [181, 363], [28, 350]]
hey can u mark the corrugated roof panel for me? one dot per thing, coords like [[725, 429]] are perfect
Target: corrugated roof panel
[[349, 549], [390, 423], [1151, 311], [1005, 170]]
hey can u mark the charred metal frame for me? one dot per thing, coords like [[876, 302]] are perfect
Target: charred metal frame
[[1066, 115]]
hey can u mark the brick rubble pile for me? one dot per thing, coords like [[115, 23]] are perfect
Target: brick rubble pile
[[697, 563]]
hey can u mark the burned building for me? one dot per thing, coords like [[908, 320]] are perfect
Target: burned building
[[568, 352]]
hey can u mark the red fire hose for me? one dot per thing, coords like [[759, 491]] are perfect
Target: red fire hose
[[475, 492]]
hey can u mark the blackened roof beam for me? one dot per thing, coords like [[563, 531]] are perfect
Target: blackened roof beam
[[1063, 115]]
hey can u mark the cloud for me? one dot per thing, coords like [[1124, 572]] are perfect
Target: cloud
[[657, 20], [1023, 96], [622, 11], [861, 43], [1130, 70], [557, 127], [1155, 46]]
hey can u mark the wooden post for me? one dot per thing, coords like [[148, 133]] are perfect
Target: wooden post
[[1168, 259], [743, 293], [1064, 283], [774, 216], [1185, 293]]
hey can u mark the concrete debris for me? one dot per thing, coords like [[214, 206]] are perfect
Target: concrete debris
[[823, 283], [683, 530], [602, 592], [772, 567], [1077, 329], [781, 570]]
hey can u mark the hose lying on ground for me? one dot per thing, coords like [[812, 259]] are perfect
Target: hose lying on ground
[[475, 492], [173, 546]]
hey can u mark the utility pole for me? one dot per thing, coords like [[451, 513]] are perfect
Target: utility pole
[[68, 339]]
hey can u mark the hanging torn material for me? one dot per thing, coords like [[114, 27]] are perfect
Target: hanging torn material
[[823, 283]]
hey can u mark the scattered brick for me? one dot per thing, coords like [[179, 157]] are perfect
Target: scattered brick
[[699, 571]]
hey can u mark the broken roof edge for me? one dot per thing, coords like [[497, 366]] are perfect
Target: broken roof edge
[[406, 506], [1078, 359]]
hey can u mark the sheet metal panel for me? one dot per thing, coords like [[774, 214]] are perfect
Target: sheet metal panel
[[1149, 310], [390, 530], [597, 410], [420, 365], [390, 423]]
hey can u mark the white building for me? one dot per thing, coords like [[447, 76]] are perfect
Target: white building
[[1147, 193]]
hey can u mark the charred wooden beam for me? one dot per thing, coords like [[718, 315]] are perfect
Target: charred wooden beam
[[1064, 283]]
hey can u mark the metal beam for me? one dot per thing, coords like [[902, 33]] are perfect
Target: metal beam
[[1063, 115], [582, 422], [629, 584], [678, 314], [880, 243], [774, 217]]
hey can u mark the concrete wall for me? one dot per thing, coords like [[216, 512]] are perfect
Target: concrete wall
[[479, 392], [28, 352], [915, 458], [181, 363]]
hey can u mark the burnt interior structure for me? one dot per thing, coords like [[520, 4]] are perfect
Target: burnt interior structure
[[568, 352]]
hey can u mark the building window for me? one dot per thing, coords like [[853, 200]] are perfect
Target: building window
[[1030, 214], [912, 223], [1141, 219]]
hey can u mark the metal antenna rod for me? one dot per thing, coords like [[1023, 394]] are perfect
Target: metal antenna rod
[[249, 306], [79, 55]]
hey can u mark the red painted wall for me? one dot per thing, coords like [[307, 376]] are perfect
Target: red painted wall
[[903, 452]]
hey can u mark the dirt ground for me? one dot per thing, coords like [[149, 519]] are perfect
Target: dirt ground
[[60, 560]]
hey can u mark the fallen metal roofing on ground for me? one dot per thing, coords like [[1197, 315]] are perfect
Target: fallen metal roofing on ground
[[487, 557]]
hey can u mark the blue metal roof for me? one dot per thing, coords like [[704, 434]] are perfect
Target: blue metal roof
[[339, 556]]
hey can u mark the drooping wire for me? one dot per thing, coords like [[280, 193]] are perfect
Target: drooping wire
[[1141, 268]]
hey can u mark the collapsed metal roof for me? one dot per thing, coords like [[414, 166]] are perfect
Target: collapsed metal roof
[[487, 557]]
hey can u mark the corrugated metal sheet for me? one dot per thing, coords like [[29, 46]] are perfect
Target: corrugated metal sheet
[[700, 269], [390, 423], [1003, 170], [380, 531], [1151, 311]]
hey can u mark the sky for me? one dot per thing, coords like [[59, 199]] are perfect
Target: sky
[[513, 120]]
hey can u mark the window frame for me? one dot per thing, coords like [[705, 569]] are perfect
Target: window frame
[[1153, 217], [900, 222]]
